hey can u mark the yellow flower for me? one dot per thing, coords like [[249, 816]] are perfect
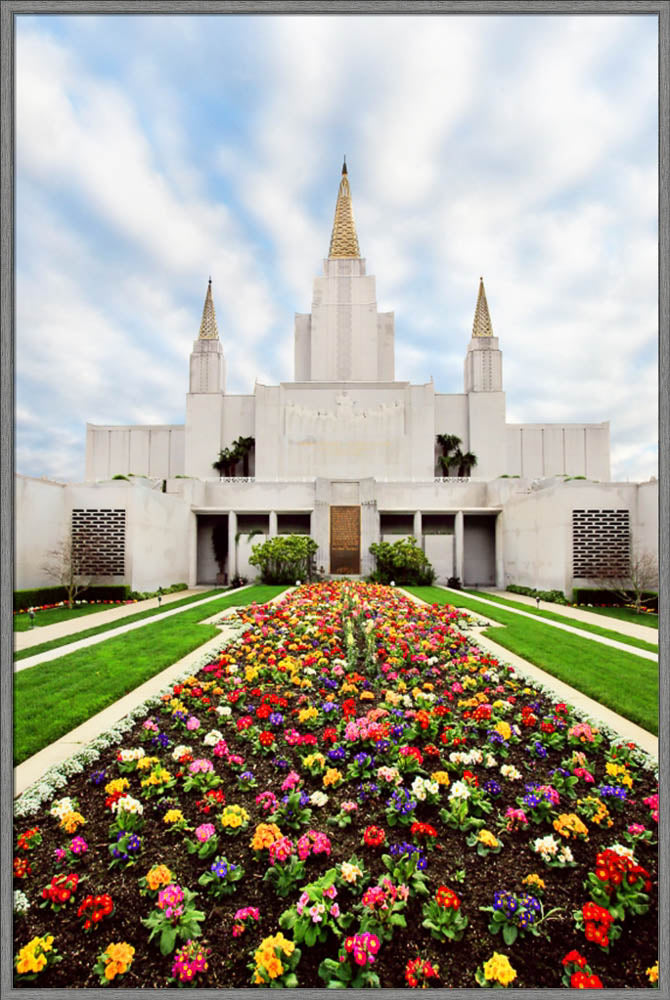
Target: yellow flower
[[265, 834], [503, 729], [441, 777], [653, 973], [568, 824], [487, 838], [332, 777], [118, 958], [498, 968], [117, 785], [159, 875], [534, 881], [71, 821], [173, 816], [305, 714]]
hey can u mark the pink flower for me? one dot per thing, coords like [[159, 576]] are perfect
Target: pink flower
[[636, 829], [193, 723], [290, 781], [204, 832], [200, 766]]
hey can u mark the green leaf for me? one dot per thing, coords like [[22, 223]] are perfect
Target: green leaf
[[510, 934]]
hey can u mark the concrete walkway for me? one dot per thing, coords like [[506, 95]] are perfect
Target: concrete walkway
[[632, 629], [624, 647], [92, 640], [33, 769], [45, 633], [627, 730]]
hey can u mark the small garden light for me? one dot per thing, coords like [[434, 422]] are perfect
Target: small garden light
[[160, 596], [31, 615]]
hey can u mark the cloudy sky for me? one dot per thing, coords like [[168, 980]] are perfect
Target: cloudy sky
[[152, 152]]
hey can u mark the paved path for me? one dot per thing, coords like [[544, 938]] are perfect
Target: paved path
[[92, 640], [598, 713], [624, 647], [33, 769], [632, 629], [45, 633]]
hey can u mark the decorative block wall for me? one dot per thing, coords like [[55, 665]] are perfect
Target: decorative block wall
[[600, 543], [99, 542]]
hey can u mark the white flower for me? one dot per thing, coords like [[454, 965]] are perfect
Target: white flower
[[490, 760], [546, 845], [565, 857], [62, 807], [21, 904], [318, 798], [625, 852], [510, 772], [128, 804], [459, 790], [224, 710], [179, 751], [212, 738], [136, 753]]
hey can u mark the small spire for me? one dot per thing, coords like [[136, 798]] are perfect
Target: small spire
[[481, 326], [343, 240], [208, 328]]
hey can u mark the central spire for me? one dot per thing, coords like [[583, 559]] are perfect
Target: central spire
[[481, 326], [208, 328], [343, 241]]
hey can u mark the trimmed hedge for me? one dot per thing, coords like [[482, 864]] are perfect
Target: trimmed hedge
[[551, 596], [38, 596], [586, 595]]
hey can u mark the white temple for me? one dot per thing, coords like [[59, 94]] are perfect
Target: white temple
[[350, 455]]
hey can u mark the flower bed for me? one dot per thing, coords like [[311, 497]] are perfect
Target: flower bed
[[353, 794]]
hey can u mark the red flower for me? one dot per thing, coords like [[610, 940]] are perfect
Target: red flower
[[266, 738], [374, 836], [447, 898], [574, 956], [21, 868]]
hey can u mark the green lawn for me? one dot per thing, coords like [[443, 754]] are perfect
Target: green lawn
[[52, 698], [65, 640], [625, 615], [563, 620], [51, 616], [624, 682]]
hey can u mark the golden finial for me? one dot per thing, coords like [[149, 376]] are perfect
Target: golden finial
[[208, 328], [343, 240], [481, 326]]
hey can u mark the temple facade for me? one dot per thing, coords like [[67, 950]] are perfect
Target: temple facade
[[350, 454]]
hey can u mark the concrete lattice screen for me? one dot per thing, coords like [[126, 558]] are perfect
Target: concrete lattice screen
[[600, 543]]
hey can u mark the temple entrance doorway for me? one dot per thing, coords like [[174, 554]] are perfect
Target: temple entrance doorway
[[345, 540]]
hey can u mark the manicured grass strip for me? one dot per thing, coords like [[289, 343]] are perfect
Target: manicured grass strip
[[52, 698], [50, 616], [651, 647], [649, 618], [65, 640], [624, 682]]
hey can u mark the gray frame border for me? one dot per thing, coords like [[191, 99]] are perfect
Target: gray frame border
[[8, 12]]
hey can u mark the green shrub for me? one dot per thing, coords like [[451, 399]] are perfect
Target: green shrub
[[552, 596], [403, 562], [607, 598], [284, 559], [38, 596]]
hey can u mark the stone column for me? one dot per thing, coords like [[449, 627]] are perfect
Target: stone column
[[458, 545], [500, 561], [192, 550], [320, 523], [369, 524], [232, 545], [417, 530], [273, 524]]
